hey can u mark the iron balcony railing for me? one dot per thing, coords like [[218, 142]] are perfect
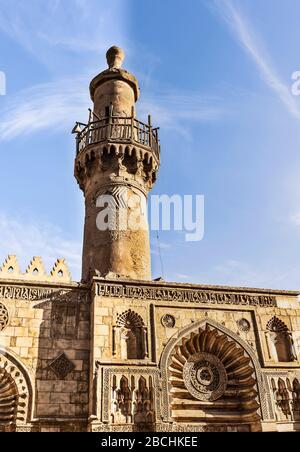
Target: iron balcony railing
[[121, 130]]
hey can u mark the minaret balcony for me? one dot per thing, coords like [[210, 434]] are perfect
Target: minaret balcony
[[118, 130]]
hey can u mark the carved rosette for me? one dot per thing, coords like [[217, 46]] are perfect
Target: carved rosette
[[205, 377], [168, 321]]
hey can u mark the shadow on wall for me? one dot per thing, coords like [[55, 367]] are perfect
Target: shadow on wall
[[62, 377]]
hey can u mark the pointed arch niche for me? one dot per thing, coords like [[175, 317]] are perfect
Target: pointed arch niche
[[280, 341], [211, 376], [130, 339]]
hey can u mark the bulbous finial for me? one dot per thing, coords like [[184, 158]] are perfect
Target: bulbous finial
[[115, 57]]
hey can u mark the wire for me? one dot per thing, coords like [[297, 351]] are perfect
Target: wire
[[160, 256]]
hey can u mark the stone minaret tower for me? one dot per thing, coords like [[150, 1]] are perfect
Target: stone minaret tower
[[116, 165]]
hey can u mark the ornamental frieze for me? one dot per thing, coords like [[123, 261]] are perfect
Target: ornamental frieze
[[42, 294], [183, 295]]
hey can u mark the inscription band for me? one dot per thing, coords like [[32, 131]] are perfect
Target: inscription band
[[35, 294], [183, 295]]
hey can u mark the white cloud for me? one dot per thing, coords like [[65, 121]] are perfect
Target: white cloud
[[47, 28], [52, 106], [172, 110], [46, 240], [181, 276], [248, 39], [237, 273], [295, 219], [57, 105], [52, 30]]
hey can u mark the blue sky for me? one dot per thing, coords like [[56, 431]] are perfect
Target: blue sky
[[216, 77]]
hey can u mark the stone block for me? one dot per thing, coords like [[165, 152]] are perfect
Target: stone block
[[60, 397]]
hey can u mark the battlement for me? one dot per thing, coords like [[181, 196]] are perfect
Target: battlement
[[35, 271]]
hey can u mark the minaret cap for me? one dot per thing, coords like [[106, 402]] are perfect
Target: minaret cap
[[115, 57]]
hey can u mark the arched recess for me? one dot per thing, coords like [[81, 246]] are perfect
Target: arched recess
[[210, 375], [15, 393], [281, 339], [130, 336]]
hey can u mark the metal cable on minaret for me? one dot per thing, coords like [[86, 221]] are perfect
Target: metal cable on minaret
[[160, 256]]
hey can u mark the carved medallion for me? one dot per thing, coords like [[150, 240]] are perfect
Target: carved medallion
[[243, 325], [168, 321], [205, 377], [3, 317]]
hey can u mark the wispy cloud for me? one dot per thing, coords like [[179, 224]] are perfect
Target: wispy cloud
[[174, 110], [294, 219], [49, 28], [57, 105], [46, 240], [237, 273], [55, 31], [65, 36], [53, 106], [249, 40], [180, 276]]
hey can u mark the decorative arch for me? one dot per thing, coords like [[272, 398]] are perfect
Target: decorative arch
[[296, 398], [225, 364], [15, 393], [283, 399], [281, 340], [130, 336], [133, 400]]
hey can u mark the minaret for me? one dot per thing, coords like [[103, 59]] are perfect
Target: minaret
[[116, 166]]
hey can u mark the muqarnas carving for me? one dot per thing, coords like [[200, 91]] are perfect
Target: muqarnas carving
[[132, 400], [130, 337], [286, 398]]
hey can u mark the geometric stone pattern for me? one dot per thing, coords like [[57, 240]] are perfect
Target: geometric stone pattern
[[3, 316], [61, 366]]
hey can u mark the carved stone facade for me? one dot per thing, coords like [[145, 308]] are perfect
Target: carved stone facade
[[75, 357], [119, 352]]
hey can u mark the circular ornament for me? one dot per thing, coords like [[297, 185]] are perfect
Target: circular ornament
[[168, 321], [205, 377], [244, 325]]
